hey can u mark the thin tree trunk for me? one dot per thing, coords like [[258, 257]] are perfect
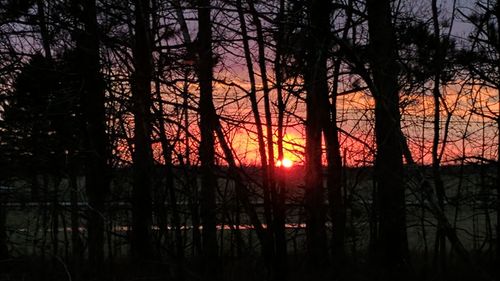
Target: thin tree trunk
[[267, 103], [207, 143], [277, 226], [497, 15], [194, 206], [44, 32], [169, 179], [334, 178], [241, 190], [280, 207], [440, 254], [268, 252]]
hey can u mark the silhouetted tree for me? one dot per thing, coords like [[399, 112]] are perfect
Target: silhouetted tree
[[316, 85], [142, 155], [207, 141], [483, 61], [95, 142], [393, 242]]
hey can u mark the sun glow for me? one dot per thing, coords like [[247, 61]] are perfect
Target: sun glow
[[285, 163]]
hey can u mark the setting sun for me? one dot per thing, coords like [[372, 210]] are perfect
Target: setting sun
[[286, 163]]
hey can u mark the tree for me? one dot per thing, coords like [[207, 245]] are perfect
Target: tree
[[483, 61], [25, 142], [95, 142], [393, 241], [316, 85], [207, 143], [280, 206], [335, 181], [267, 162], [141, 242], [26, 124]]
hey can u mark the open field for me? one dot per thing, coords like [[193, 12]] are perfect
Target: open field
[[35, 227]]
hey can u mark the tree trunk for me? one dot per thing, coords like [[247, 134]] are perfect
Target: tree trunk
[[268, 251], [190, 183], [280, 206], [95, 141], [267, 103], [44, 32], [169, 178], [142, 156], [440, 253], [316, 84], [334, 178], [497, 15], [393, 242], [207, 143]]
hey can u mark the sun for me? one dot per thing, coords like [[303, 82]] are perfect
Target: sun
[[285, 163]]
